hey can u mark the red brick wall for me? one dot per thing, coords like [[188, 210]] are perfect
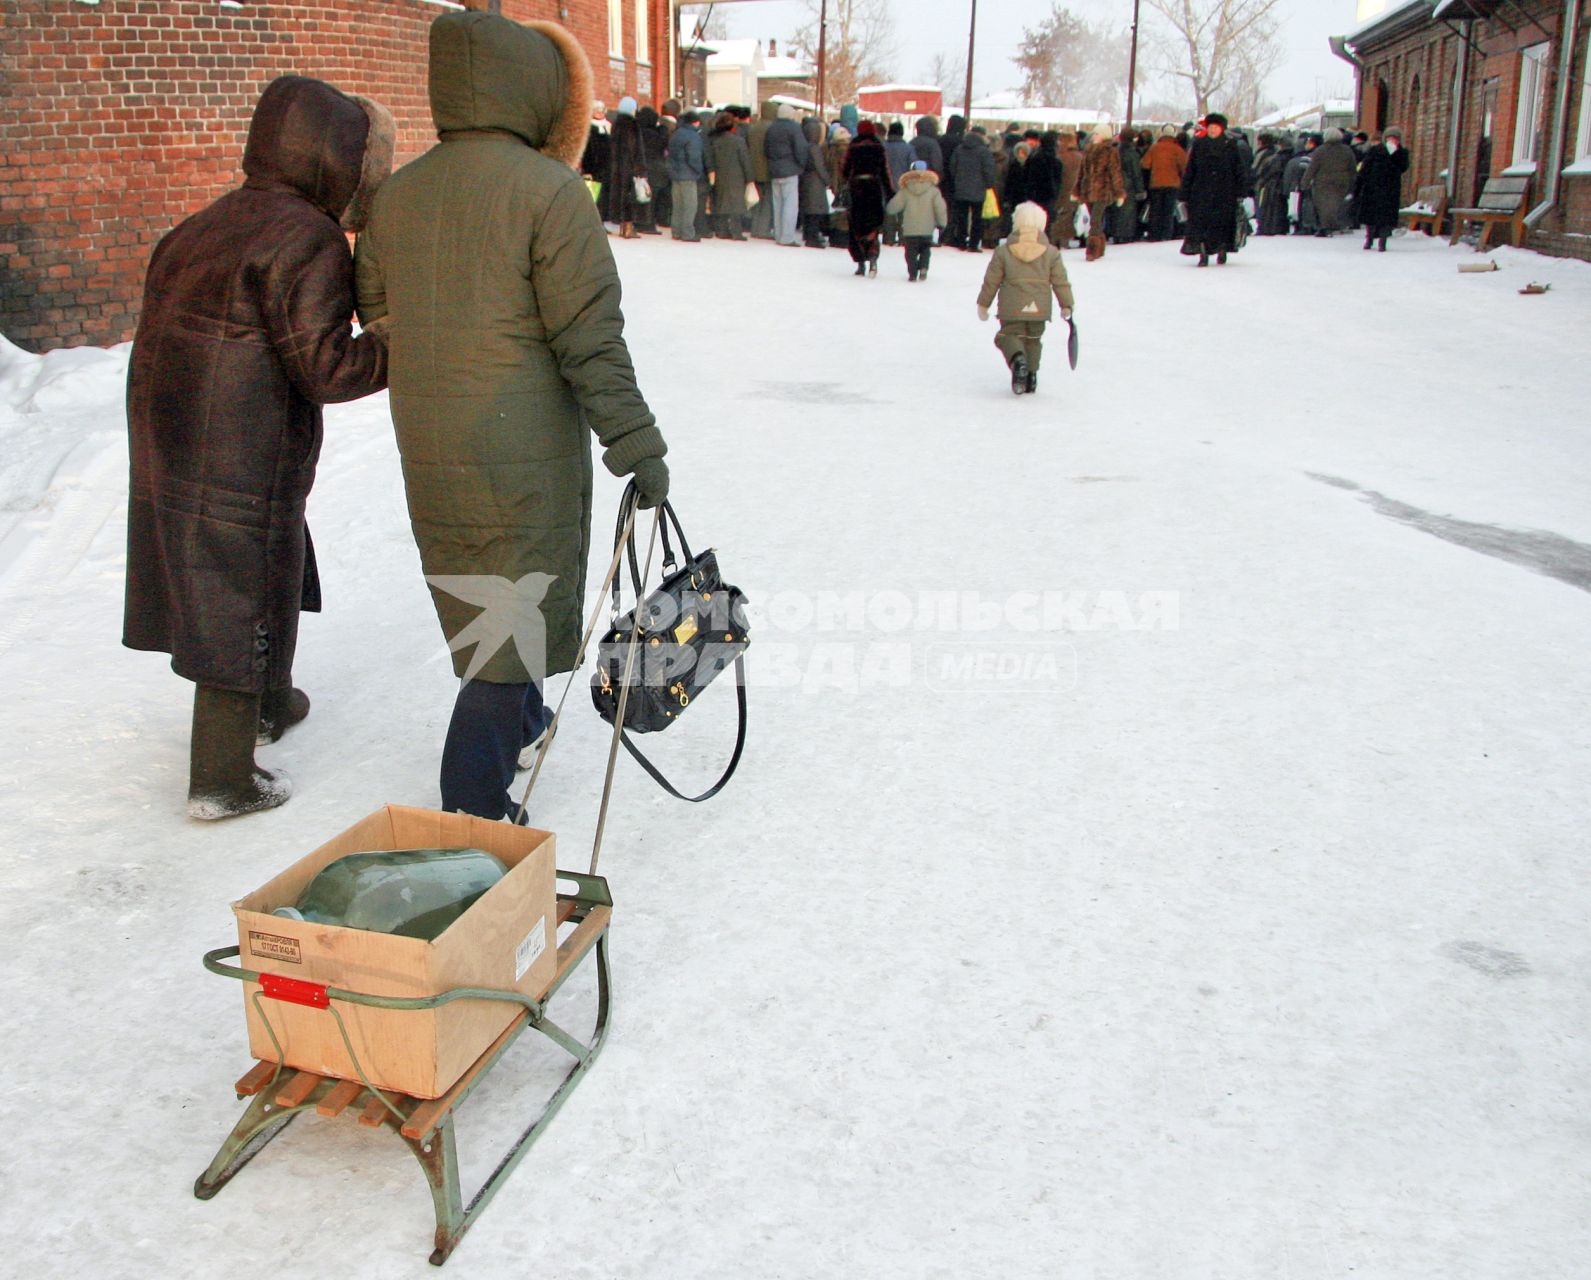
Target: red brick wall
[[1431, 50], [125, 116]]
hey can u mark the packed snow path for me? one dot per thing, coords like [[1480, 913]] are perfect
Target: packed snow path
[[1244, 936]]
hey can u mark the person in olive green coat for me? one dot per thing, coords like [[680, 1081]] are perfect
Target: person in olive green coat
[[1026, 270], [729, 163], [491, 265]]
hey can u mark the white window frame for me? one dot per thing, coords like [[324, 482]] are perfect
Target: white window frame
[[616, 28], [1582, 145], [1527, 121], [643, 32]]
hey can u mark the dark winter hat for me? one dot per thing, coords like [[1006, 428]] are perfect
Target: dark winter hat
[[1215, 117], [980, 131], [866, 130], [897, 129], [1393, 132]]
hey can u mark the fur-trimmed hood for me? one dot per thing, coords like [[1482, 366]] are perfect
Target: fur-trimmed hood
[[529, 79], [918, 178], [377, 167]]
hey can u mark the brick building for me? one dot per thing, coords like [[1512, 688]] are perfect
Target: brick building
[[118, 118], [1486, 88]]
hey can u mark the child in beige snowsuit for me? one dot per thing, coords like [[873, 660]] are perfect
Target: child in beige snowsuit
[[1026, 270]]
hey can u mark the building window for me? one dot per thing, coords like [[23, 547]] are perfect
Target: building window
[[1582, 146], [616, 28], [643, 32], [1532, 84]]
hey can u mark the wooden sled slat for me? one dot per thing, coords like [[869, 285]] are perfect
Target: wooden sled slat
[[254, 1079], [338, 1097], [297, 1090]]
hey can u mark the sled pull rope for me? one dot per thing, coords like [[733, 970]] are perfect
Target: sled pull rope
[[624, 688], [580, 658]]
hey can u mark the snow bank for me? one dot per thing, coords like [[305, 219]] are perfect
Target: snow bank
[[52, 407]]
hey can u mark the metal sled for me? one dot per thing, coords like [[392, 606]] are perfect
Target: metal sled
[[279, 1093]]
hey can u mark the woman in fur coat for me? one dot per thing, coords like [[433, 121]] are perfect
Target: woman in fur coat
[[866, 175]]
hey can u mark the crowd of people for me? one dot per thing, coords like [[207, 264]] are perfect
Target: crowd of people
[[850, 183]]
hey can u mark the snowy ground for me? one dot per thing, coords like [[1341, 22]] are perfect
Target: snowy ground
[[1245, 937]]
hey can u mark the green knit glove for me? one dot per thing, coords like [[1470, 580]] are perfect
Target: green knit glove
[[651, 482]]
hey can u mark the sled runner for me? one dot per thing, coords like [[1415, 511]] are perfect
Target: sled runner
[[278, 1094]]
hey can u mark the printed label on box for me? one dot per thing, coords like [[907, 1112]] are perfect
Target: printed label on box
[[275, 947], [526, 952]]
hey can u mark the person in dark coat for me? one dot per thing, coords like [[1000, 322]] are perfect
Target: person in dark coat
[[729, 162], [1215, 180], [817, 184], [955, 132], [866, 176], [1328, 180], [1014, 190], [626, 163], [654, 147], [1300, 207], [687, 173], [246, 331], [598, 157], [1378, 187], [1045, 177], [1270, 167], [971, 178], [926, 146], [1125, 218]]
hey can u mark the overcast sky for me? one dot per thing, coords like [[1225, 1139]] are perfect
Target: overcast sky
[[926, 27]]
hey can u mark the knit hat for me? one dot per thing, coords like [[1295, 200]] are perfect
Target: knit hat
[[1393, 132], [1030, 217], [866, 130], [1168, 131], [919, 166], [627, 106]]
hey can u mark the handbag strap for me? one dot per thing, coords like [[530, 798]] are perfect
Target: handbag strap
[[666, 515], [734, 760]]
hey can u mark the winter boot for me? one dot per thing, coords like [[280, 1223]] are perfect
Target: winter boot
[[1383, 244], [1019, 374], [861, 268], [1096, 249], [223, 780], [1204, 259], [280, 710], [1369, 239], [1033, 381], [1220, 259]]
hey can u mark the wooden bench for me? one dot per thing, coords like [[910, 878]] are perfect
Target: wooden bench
[[1502, 201], [1428, 209]]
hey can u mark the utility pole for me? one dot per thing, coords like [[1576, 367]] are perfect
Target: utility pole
[[972, 48], [823, 60], [1132, 64]]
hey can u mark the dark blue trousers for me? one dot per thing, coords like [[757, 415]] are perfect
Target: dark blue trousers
[[491, 725]]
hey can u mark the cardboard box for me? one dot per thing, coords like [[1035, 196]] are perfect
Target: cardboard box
[[506, 941]]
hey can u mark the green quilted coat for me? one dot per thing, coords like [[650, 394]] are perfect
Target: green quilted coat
[[507, 339]]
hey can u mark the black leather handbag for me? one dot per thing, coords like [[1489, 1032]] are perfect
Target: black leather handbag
[[692, 628]]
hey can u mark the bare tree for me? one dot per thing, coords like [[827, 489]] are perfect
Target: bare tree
[[711, 23], [861, 45], [1224, 50], [948, 73], [1066, 61]]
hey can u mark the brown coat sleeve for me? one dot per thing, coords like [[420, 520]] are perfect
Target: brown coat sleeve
[[307, 300]]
